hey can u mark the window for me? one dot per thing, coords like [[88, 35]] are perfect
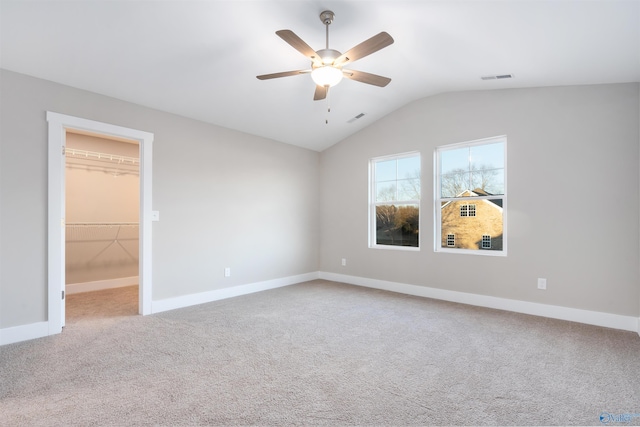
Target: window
[[471, 197], [467, 210], [451, 240], [394, 216]]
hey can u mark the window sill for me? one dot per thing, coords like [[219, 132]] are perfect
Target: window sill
[[478, 252], [396, 248]]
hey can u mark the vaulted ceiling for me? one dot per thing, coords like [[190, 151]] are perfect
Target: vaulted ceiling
[[200, 59]]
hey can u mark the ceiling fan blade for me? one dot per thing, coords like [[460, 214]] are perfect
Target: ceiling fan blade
[[283, 74], [368, 78], [367, 47], [298, 44], [321, 93]]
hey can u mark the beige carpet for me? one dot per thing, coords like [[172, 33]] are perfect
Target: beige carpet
[[321, 353], [100, 304]]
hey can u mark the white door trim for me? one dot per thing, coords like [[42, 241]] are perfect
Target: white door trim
[[58, 125]]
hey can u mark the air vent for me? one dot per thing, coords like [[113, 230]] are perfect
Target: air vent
[[356, 118], [497, 77]]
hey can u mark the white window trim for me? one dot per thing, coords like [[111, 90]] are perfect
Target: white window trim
[[437, 241], [372, 204]]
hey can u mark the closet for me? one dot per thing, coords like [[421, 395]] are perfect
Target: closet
[[102, 212]]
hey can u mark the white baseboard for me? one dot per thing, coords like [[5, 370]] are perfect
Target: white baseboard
[[627, 323], [615, 321], [218, 294], [99, 285], [41, 329], [24, 332]]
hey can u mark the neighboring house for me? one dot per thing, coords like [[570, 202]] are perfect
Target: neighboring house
[[472, 223]]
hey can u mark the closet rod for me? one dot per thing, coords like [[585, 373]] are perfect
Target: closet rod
[[74, 152]]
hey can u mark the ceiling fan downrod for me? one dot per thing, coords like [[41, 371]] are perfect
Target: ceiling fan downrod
[[327, 18]]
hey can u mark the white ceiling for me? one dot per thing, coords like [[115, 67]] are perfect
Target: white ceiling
[[199, 59]]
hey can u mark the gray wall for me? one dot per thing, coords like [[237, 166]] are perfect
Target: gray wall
[[226, 199], [572, 185]]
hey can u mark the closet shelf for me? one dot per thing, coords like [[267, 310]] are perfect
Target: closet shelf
[[94, 155]]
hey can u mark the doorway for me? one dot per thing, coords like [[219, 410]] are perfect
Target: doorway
[[59, 127], [101, 226]]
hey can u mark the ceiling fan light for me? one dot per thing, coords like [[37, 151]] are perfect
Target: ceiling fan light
[[326, 75]]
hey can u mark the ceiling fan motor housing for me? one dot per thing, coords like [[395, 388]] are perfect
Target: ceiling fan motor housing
[[328, 56], [327, 17]]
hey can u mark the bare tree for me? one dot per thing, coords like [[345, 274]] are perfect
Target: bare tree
[[385, 215], [456, 181], [406, 219], [410, 185], [386, 194], [385, 220], [484, 178]]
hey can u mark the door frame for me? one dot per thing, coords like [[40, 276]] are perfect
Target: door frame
[[58, 126]]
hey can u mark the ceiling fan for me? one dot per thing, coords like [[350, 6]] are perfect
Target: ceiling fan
[[326, 64]]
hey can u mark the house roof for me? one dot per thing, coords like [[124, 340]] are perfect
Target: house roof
[[481, 192], [200, 59], [478, 192]]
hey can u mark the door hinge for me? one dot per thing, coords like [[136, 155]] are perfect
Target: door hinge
[[64, 150], [62, 294]]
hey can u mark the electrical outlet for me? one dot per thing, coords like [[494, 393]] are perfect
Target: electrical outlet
[[542, 283], [344, 262], [227, 272]]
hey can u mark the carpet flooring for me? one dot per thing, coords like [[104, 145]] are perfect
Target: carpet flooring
[[318, 353]]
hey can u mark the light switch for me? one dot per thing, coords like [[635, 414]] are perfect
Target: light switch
[[155, 215]]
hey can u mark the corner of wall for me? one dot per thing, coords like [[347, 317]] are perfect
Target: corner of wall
[[159, 306]]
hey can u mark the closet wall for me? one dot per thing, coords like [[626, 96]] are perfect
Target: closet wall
[[102, 209]]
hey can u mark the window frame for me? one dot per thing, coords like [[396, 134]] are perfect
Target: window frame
[[373, 204], [438, 199]]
